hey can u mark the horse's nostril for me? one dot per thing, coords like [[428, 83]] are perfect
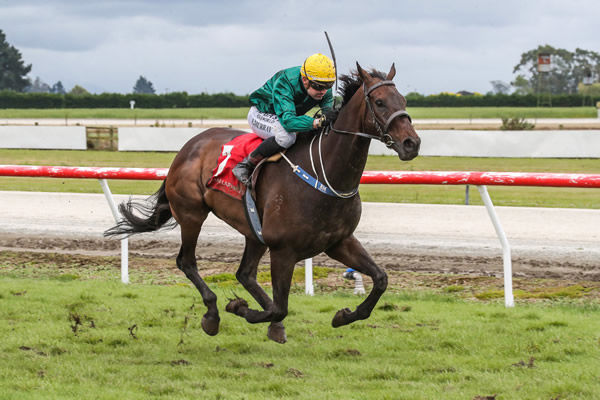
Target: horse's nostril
[[410, 144]]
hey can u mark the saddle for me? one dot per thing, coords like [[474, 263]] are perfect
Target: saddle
[[224, 181], [274, 158], [232, 153]]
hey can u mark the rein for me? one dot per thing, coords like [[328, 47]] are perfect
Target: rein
[[314, 182], [381, 128], [383, 137], [340, 195]]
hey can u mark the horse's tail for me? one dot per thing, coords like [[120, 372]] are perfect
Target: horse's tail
[[155, 214]]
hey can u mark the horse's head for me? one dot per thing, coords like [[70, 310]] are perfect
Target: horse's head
[[385, 115]]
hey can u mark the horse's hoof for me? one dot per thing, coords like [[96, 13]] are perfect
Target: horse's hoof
[[342, 317], [236, 305], [210, 325], [276, 332]]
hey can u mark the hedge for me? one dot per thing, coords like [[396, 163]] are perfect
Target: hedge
[[495, 100], [10, 99]]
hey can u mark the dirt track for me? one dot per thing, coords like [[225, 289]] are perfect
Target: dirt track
[[391, 259], [546, 243], [471, 275]]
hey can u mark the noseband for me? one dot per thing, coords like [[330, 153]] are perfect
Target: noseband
[[384, 136]]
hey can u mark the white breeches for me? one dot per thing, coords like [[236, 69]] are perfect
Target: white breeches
[[267, 125]]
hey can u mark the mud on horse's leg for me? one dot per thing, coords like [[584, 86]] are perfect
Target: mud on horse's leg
[[186, 261], [246, 275], [351, 252]]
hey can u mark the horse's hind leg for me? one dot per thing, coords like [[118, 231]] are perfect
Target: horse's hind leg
[[282, 268], [351, 253], [186, 261], [246, 275]]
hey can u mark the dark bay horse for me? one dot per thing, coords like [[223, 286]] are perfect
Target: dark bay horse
[[298, 221]]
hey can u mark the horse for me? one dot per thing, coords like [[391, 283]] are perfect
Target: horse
[[298, 222]]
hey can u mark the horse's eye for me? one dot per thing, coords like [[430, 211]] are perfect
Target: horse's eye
[[379, 103]]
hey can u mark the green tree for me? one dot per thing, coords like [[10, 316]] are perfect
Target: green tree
[[58, 88], [499, 87], [585, 62], [38, 86], [13, 70], [143, 86], [567, 72], [78, 91], [592, 90], [521, 85]]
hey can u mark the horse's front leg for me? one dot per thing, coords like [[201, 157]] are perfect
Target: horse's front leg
[[351, 253], [246, 275]]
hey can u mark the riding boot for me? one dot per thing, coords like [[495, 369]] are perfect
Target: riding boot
[[243, 171]]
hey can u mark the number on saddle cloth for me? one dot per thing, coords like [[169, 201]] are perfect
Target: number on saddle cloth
[[232, 153]]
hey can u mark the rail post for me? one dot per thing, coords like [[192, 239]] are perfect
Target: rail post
[[309, 288], [124, 242], [506, 256]]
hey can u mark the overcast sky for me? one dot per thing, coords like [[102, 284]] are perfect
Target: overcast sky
[[217, 46]]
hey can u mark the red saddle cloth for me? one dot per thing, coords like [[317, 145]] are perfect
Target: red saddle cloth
[[232, 153]]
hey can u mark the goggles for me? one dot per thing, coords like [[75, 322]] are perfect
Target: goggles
[[319, 86]]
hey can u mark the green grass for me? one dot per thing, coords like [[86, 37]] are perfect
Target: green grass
[[426, 194], [502, 112], [240, 113], [73, 338]]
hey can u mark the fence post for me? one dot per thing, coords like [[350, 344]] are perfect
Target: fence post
[[506, 257], [124, 242], [308, 277]]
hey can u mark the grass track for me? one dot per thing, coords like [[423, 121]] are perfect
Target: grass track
[[143, 341]]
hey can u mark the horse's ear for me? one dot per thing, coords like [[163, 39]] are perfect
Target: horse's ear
[[364, 76], [392, 72]]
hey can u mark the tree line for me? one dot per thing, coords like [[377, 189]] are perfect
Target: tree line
[[12, 99], [498, 100]]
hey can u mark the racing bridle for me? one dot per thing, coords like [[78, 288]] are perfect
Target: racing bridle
[[382, 128]]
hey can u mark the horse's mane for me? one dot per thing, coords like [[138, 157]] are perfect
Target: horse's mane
[[351, 82]]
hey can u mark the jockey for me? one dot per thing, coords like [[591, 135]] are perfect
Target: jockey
[[278, 108]]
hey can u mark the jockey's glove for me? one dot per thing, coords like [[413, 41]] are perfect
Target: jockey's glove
[[319, 122], [331, 115], [328, 117]]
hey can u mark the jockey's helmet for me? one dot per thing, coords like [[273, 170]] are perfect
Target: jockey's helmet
[[319, 68]]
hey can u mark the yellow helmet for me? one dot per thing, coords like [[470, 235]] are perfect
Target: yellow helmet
[[318, 67]]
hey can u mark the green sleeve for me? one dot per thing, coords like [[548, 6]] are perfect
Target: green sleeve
[[283, 103]]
